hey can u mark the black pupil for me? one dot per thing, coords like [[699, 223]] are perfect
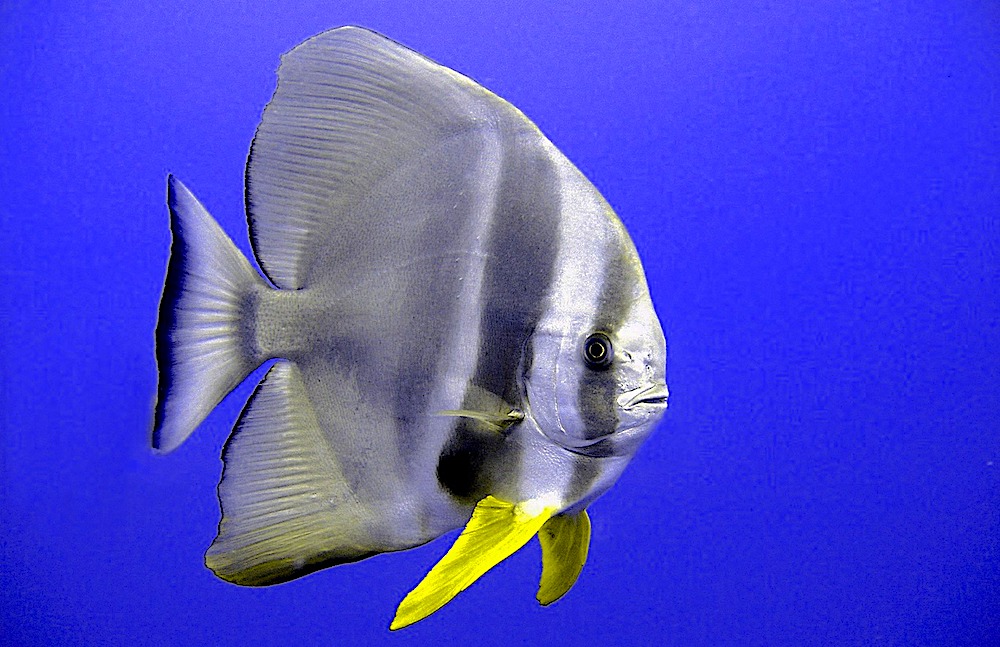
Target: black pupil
[[597, 351]]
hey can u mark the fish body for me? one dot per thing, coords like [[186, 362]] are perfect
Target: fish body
[[461, 328]]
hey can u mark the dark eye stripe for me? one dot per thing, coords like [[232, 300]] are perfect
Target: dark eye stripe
[[596, 402], [598, 389]]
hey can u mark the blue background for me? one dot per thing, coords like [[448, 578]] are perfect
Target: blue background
[[814, 188]]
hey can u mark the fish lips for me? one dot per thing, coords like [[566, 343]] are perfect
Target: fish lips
[[652, 395], [641, 409]]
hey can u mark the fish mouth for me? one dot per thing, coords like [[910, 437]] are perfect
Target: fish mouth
[[654, 394]]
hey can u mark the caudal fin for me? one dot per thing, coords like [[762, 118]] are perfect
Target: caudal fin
[[201, 348]]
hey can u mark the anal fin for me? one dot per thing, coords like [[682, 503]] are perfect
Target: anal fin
[[286, 508], [496, 530], [565, 540]]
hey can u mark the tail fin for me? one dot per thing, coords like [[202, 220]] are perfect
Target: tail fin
[[201, 348]]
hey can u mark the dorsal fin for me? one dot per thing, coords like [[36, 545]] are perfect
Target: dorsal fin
[[341, 97]]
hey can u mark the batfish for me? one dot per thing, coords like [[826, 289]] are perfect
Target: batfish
[[459, 329]]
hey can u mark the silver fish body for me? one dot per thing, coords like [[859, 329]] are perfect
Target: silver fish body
[[455, 312]]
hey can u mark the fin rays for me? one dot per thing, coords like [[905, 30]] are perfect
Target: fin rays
[[495, 421], [287, 509], [340, 95], [200, 350]]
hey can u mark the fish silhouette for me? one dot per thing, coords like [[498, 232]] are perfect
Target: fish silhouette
[[461, 330]]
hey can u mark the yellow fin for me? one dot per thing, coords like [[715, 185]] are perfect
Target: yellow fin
[[565, 540], [496, 531]]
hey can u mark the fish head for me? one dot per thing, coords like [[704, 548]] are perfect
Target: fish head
[[597, 381]]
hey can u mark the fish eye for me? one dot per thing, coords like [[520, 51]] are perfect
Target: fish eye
[[598, 351]]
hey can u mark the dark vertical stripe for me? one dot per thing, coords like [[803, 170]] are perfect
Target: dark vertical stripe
[[523, 237], [598, 390], [586, 470], [431, 306]]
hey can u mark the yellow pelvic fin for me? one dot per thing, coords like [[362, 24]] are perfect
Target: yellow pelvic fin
[[496, 531], [565, 540]]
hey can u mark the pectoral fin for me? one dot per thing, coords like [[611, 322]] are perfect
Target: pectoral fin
[[496, 531], [498, 422], [565, 540], [495, 413]]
